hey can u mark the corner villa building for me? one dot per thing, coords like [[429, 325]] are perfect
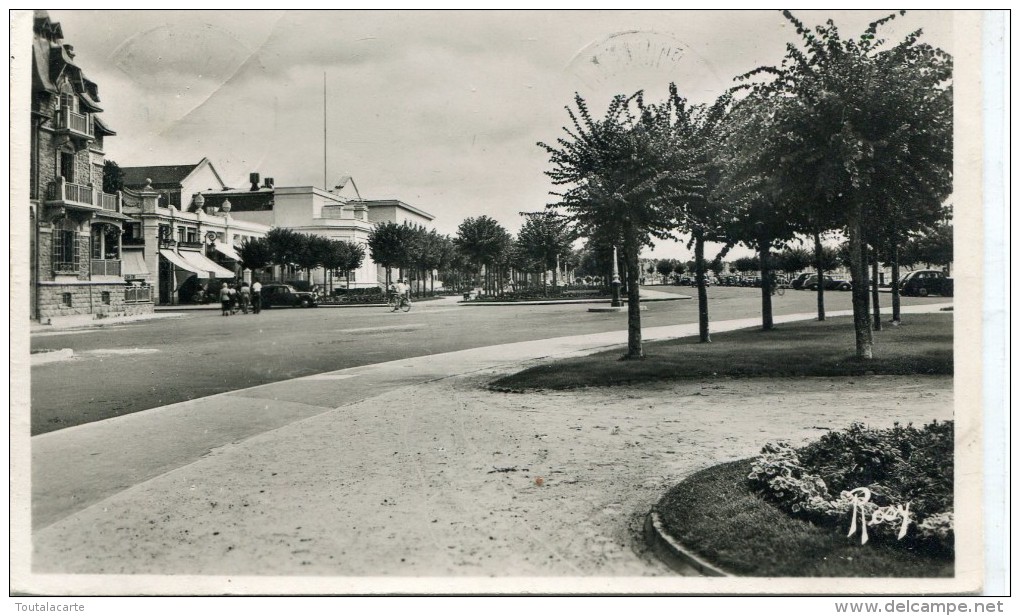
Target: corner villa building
[[171, 234], [75, 250]]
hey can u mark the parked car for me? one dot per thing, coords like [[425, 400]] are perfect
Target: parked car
[[692, 281], [304, 285], [286, 295], [811, 283], [927, 282], [798, 282]]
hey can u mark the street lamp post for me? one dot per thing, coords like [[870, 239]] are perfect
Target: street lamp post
[[616, 282]]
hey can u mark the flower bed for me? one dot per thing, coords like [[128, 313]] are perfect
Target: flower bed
[[894, 485]]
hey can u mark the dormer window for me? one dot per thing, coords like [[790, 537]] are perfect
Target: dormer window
[[70, 102]]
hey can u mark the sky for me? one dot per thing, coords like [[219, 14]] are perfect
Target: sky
[[440, 109]]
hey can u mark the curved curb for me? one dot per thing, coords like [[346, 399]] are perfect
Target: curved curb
[[673, 553]]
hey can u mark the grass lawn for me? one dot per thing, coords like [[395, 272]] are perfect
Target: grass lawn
[[715, 514], [922, 344]]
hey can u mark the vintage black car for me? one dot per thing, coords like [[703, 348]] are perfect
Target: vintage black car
[[927, 282], [811, 284], [798, 282], [286, 295]]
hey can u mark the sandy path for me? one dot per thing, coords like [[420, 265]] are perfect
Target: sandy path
[[440, 480]]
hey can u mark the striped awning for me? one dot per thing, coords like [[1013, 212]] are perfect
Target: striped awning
[[227, 251], [134, 265], [196, 262]]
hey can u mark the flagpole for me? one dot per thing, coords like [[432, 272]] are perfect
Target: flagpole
[[325, 182]]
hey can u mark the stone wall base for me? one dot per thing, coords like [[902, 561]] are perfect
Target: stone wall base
[[86, 302]]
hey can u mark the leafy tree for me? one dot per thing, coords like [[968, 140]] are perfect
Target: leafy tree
[[415, 251], [113, 177], [286, 246], [691, 181], [758, 217], [747, 264], [932, 247], [315, 251], [666, 267], [332, 260], [387, 243], [718, 267], [862, 126], [354, 257], [610, 170], [456, 269], [343, 257], [255, 253], [483, 241], [438, 250], [793, 260], [595, 260], [543, 237]]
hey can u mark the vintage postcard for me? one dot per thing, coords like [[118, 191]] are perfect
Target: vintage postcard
[[471, 302]]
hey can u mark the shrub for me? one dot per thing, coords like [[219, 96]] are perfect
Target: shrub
[[893, 484]]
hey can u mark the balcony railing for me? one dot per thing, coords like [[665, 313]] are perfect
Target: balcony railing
[[108, 201], [106, 267], [78, 194], [134, 295], [79, 123]]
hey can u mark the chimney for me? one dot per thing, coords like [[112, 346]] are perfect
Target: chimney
[[70, 51], [254, 179], [269, 183]]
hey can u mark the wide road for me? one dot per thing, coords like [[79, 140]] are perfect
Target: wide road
[[124, 368]]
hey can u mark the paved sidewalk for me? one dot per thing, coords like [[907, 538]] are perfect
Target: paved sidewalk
[[162, 491]]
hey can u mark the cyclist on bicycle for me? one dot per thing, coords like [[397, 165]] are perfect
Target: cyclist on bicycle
[[399, 292]]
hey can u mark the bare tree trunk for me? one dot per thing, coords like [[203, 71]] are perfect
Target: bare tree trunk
[[876, 321], [699, 276], [634, 348], [859, 277], [819, 269], [766, 286], [895, 249]]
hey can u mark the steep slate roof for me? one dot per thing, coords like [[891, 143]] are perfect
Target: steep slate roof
[[101, 126], [51, 58], [162, 176]]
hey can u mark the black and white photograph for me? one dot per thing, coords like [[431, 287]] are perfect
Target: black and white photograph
[[655, 302]]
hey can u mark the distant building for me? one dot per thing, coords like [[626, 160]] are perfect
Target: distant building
[[75, 244], [313, 211], [182, 254], [176, 184]]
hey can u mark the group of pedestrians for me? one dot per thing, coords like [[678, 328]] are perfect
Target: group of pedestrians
[[241, 297]]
